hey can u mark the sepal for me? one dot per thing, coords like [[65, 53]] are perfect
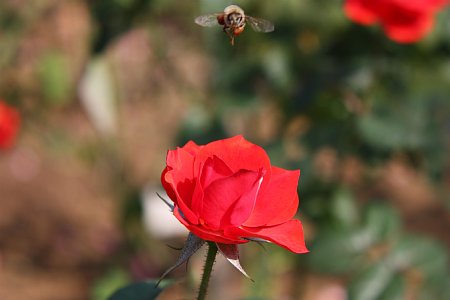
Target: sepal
[[231, 253], [193, 243], [167, 202]]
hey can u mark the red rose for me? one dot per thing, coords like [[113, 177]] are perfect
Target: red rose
[[9, 124], [404, 21], [227, 192]]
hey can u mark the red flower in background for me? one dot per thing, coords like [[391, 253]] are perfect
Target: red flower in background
[[9, 125], [228, 192], [404, 21]]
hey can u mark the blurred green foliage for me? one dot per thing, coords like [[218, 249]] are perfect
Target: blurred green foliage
[[54, 79], [380, 258], [317, 82], [115, 17], [109, 283]]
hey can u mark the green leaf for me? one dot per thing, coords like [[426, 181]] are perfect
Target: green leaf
[[55, 79], [395, 290], [436, 289], [372, 282], [344, 209], [400, 127], [425, 255], [108, 283], [146, 290], [382, 221], [342, 251]]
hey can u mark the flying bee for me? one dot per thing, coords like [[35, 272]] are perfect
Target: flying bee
[[233, 20]]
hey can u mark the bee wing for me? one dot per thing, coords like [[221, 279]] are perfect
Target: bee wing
[[260, 25], [207, 20]]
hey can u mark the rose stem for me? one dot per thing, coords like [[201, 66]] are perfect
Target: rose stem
[[209, 262]]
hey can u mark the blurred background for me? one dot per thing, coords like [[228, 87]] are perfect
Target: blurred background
[[105, 87]]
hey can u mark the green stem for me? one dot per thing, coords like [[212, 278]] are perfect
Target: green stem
[[209, 262]]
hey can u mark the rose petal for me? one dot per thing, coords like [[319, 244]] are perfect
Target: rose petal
[[229, 201], [9, 125], [404, 21], [418, 6], [213, 169], [237, 153], [207, 235], [192, 147], [182, 160], [278, 201], [409, 32], [360, 12], [178, 178], [288, 235], [185, 188], [168, 187]]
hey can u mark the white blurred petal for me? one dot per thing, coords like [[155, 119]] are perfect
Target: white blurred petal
[[97, 95], [158, 219]]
